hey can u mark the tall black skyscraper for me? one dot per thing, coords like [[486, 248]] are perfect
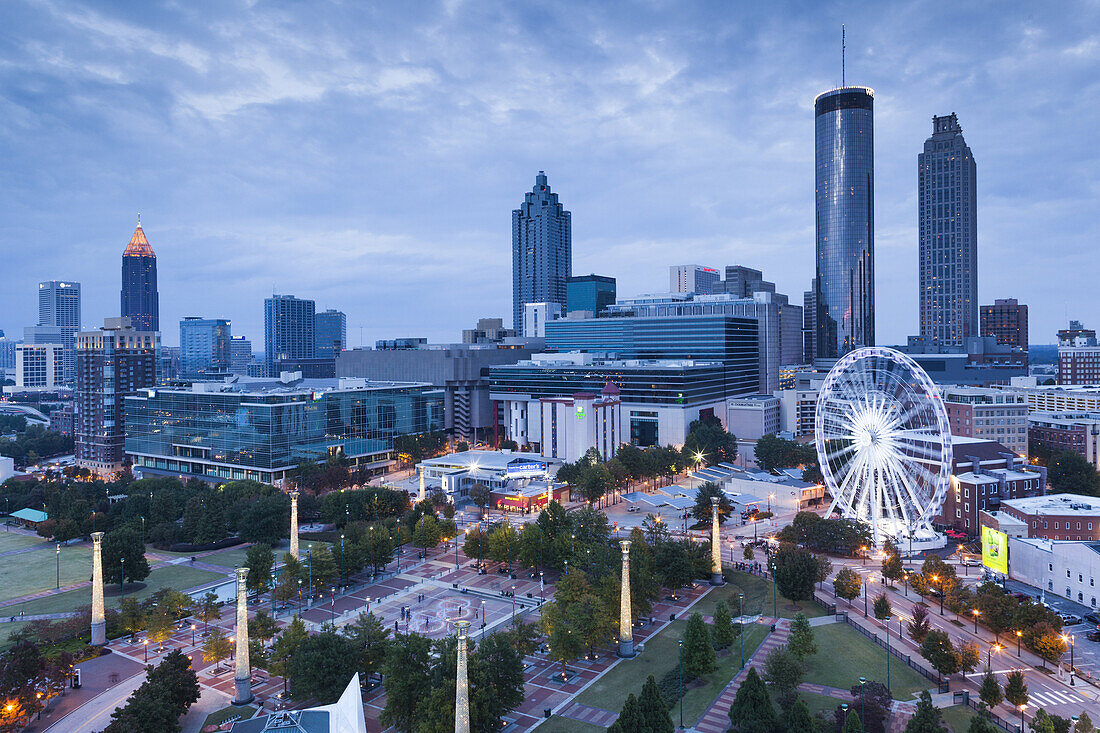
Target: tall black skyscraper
[[542, 250], [140, 300], [845, 202], [947, 200]]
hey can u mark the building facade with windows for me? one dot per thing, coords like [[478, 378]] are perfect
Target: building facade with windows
[[589, 293], [542, 250], [59, 306], [984, 475], [693, 279], [39, 367], [573, 425], [140, 299], [261, 429], [1077, 432], [331, 333], [1067, 569], [240, 354], [1006, 321], [989, 414], [205, 347], [289, 330], [111, 364], [844, 191]]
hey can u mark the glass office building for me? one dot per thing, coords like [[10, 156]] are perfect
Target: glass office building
[[592, 293], [845, 202], [204, 346], [542, 249], [289, 330], [262, 429]]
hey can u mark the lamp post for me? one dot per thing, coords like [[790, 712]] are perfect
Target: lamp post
[[844, 712], [343, 559], [274, 582], [936, 579], [145, 645], [680, 644], [1021, 708], [1069, 639], [58, 555], [456, 550], [741, 623], [309, 566], [192, 634], [905, 578], [333, 607], [299, 596], [122, 579], [863, 552], [143, 531], [966, 568], [976, 613], [1018, 635], [371, 532], [862, 700], [887, 653]]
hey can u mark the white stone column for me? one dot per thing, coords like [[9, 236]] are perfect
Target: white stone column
[[99, 618], [242, 677], [626, 620], [423, 489], [462, 685], [715, 546], [294, 524]]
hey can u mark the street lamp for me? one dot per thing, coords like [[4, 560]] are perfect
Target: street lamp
[[58, 555], [994, 647], [863, 551], [1069, 639], [936, 579], [1021, 707], [122, 580], [680, 644], [887, 653], [905, 577], [1018, 635], [976, 613], [867, 593], [333, 606], [192, 634], [844, 712], [741, 623], [862, 699], [146, 647]]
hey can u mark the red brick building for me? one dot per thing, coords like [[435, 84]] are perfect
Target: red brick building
[[1057, 516], [984, 475]]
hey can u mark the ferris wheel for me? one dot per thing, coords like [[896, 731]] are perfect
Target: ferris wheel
[[884, 442]]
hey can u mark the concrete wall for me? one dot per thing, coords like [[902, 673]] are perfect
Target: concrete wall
[[1067, 569]]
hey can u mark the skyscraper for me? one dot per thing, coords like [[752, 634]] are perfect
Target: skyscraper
[[845, 203], [592, 293], [289, 330], [59, 307], [947, 202], [204, 347], [140, 300], [240, 354], [1005, 320], [331, 334], [542, 250]]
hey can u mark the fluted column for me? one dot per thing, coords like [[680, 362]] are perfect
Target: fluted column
[[423, 488], [99, 618], [462, 685], [715, 546], [626, 621], [242, 677], [294, 524]]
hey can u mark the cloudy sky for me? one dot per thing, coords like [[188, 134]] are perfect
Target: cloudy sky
[[368, 155]]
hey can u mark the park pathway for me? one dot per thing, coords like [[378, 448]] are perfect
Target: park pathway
[[586, 714], [716, 718]]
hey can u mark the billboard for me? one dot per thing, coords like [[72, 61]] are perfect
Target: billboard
[[995, 550]]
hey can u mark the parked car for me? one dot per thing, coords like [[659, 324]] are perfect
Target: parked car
[[634, 509], [1068, 619], [1093, 618], [1093, 635]]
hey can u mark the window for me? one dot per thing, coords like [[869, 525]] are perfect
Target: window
[[1067, 572], [1056, 525], [1078, 527], [1080, 596]]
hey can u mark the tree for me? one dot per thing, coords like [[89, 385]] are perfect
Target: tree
[[168, 691], [927, 717], [595, 482], [846, 584], [124, 543], [752, 711], [939, 652], [1016, 689], [795, 571], [260, 560], [1042, 722], [1084, 724], [630, 717], [209, 610], [262, 627], [371, 639], [322, 667], [708, 441], [698, 652], [883, 610], [1047, 643], [996, 606], [852, 723], [503, 544], [408, 680], [981, 722], [266, 520], [496, 679], [783, 672], [797, 718], [655, 715], [892, 568], [801, 641], [159, 627], [990, 690], [969, 656], [722, 623], [530, 549], [674, 568], [1071, 473], [427, 534], [216, 647], [748, 554], [476, 544], [919, 626], [702, 510], [131, 616], [480, 495], [285, 647]]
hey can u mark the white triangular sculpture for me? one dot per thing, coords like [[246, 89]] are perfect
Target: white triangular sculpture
[[346, 714]]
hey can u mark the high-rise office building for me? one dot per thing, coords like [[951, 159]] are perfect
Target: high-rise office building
[[59, 306], [692, 279], [38, 366], [111, 364], [947, 205], [331, 334], [140, 300], [592, 293], [7, 351], [809, 323], [289, 330], [204, 347], [1005, 320], [845, 204], [240, 354], [743, 281], [542, 250]]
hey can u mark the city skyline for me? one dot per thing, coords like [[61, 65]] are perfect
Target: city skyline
[[303, 162]]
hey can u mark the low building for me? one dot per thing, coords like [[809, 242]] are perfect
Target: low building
[[979, 362], [516, 481], [1078, 355], [989, 414], [573, 425], [783, 492], [984, 476], [1057, 516], [1077, 432], [1067, 569], [752, 417], [30, 518], [262, 429], [7, 468]]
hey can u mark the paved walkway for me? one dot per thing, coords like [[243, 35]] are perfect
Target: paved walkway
[[716, 718], [95, 714], [586, 714]]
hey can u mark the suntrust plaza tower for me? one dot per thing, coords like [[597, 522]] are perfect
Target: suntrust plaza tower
[[845, 205]]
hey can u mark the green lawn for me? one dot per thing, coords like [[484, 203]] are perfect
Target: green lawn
[[30, 572], [558, 724], [819, 703], [220, 716], [180, 577], [843, 654], [231, 558], [661, 655], [758, 598], [958, 717], [15, 541]]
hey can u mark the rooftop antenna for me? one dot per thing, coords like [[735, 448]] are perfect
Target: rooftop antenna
[[843, 48]]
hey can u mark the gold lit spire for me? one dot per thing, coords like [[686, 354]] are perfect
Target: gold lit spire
[[139, 245]]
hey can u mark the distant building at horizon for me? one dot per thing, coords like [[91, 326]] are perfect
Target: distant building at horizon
[[59, 306], [1078, 355], [845, 206], [692, 279], [140, 301], [330, 333], [204, 347], [591, 293], [1006, 321], [289, 330], [240, 354], [542, 250], [947, 206]]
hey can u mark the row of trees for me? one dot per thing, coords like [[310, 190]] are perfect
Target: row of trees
[[833, 535], [1067, 472], [773, 452], [34, 442]]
